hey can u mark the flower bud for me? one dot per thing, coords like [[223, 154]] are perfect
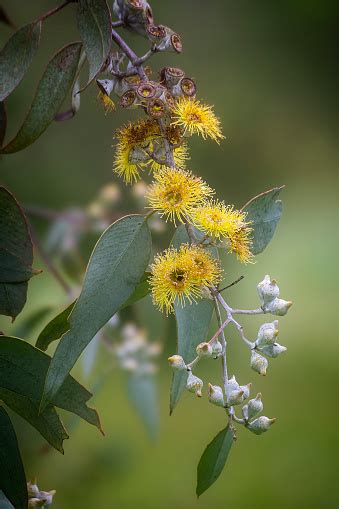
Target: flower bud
[[177, 362], [268, 289], [246, 390], [215, 395], [273, 350], [216, 349], [194, 384], [267, 333], [232, 384], [106, 86], [129, 99], [258, 363], [254, 406], [236, 397], [204, 350], [260, 425], [278, 307], [171, 76]]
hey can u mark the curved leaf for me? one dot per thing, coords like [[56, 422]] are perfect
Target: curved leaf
[[4, 502], [16, 255], [52, 90], [117, 264], [264, 212], [16, 57], [213, 460], [12, 474], [23, 371], [193, 321], [95, 27]]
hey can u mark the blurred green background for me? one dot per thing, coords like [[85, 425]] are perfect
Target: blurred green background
[[271, 71]]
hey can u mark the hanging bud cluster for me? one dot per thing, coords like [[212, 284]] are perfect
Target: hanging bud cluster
[[37, 498], [135, 354], [269, 295]]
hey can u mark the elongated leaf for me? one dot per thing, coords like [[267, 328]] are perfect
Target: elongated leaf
[[264, 212], [143, 395], [213, 460], [12, 474], [47, 423], [117, 264], [16, 57], [23, 371], [3, 122], [95, 27], [193, 321], [141, 290], [54, 329], [4, 502], [52, 90], [16, 255]]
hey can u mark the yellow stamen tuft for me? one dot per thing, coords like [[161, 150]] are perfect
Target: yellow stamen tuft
[[106, 101], [196, 118], [174, 193]]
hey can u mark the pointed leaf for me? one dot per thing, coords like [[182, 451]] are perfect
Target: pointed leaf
[[193, 321], [12, 474], [4, 502], [264, 212], [143, 395], [58, 326], [117, 264], [16, 57], [16, 254], [52, 90], [95, 27], [47, 423], [213, 460], [23, 370]]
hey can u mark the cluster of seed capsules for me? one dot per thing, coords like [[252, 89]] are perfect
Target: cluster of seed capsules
[[233, 394]]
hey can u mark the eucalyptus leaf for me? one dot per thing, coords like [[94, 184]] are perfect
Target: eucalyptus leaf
[[95, 27], [4, 502], [143, 396], [12, 474], [16, 255], [17, 56], [23, 371], [213, 460], [193, 322], [264, 212], [117, 265], [52, 90]]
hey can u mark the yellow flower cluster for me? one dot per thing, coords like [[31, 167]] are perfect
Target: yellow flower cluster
[[140, 145], [181, 275]]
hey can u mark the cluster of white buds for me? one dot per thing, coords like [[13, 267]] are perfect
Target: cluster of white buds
[[269, 295], [135, 353], [37, 498]]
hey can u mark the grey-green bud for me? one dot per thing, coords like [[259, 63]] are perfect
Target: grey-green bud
[[194, 384], [273, 350], [215, 395], [254, 407], [204, 350], [267, 333], [260, 425], [268, 289], [216, 349], [177, 362], [259, 363], [278, 307]]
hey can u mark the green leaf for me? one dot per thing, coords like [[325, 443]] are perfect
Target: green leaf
[[59, 325], [4, 502], [264, 212], [143, 396], [16, 255], [23, 370], [193, 321], [12, 474], [17, 56], [55, 328], [95, 27], [213, 460], [47, 423], [52, 90], [117, 264], [3, 122]]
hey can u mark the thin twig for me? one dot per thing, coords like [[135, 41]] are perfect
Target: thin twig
[[232, 284], [129, 54], [56, 9]]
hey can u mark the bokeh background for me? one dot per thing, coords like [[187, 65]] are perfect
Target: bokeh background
[[271, 71]]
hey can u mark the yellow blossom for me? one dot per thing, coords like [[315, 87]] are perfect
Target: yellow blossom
[[221, 221], [196, 118], [179, 276], [106, 101], [174, 193]]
